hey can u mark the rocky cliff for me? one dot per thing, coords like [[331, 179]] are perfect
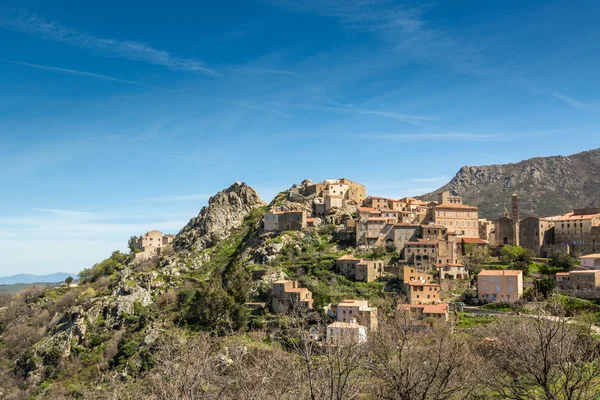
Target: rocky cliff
[[545, 185], [225, 212]]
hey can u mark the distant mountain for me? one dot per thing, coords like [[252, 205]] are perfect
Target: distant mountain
[[546, 185], [27, 278]]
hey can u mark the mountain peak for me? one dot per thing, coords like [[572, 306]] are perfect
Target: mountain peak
[[225, 211], [545, 185]]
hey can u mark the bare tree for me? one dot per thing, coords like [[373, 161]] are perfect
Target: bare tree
[[544, 356], [329, 371], [411, 362]]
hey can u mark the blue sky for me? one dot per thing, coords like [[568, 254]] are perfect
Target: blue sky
[[116, 119]]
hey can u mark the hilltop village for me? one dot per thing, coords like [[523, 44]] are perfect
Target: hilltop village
[[431, 253]]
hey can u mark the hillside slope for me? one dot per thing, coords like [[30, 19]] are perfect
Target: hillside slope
[[545, 185]]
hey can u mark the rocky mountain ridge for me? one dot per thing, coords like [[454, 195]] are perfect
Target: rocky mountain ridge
[[546, 185], [225, 211]]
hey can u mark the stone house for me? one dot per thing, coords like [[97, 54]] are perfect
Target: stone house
[[359, 309], [421, 253], [536, 234], [359, 269], [288, 296], [376, 202], [400, 234], [485, 228], [421, 292], [500, 285], [590, 261], [390, 215], [422, 312], [285, 220], [151, 244], [578, 232], [346, 333], [452, 271], [578, 280], [370, 232], [352, 191], [333, 201]]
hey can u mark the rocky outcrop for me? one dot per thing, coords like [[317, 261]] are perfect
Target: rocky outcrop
[[546, 185], [225, 212]]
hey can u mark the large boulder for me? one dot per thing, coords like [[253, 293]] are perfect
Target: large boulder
[[225, 212]]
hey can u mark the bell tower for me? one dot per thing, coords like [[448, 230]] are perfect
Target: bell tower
[[515, 217]]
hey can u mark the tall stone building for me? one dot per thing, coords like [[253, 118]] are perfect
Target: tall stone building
[[536, 234], [515, 217]]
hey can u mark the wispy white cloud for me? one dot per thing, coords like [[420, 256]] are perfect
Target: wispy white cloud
[[69, 224], [570, 100], [366, 111], [151, 153], [23, 21], [83, 73], [480, 137], [259, 70], [402, 27]]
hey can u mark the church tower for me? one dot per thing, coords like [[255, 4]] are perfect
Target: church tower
[[515, 217]]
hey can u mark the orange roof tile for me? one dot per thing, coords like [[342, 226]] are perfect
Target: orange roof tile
[[435, 309], [503, 272], [575, 217], [473, 240], [590, 256]]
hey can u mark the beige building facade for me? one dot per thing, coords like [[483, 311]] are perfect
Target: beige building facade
[[500, 285], [591, 261], [358, 309], [456, 216]]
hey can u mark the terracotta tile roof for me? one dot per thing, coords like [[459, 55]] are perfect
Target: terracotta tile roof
[[435, 309], [377, 219], [576, 217], [562, 274], [473, 240], [503, 272], [590, 256], [405, 224], [591, 271], [348, 257], [311, 219]]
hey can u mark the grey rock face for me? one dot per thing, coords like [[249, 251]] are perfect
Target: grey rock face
[[225, 211], [546, 185]]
